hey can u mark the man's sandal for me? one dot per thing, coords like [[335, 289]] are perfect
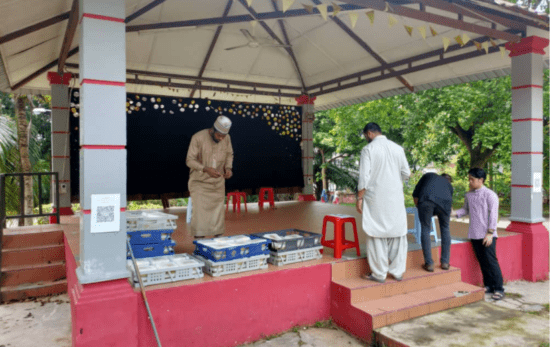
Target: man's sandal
[[372, 278], [498, 296]]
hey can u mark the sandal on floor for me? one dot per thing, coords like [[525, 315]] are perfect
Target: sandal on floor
[[487, 290], [445, 266], [372, 278], [498, 296], [429, 268]]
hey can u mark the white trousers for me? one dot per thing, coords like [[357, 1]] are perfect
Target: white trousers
[[387, 255]]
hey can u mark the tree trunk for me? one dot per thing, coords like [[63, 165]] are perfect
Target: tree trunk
[[323, 171], [23, 142]]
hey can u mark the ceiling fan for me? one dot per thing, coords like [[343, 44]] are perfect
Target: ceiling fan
[[253, 42]]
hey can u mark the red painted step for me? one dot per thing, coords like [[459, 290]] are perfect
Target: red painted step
[[33, 290], [17, 275], [33, 255]]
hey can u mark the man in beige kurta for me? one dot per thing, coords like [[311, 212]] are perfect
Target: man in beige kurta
[[210, 159]]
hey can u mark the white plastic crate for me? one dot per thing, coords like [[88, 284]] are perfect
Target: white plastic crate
[[219, 268], [165, 269], [300, 255], [149, 220]]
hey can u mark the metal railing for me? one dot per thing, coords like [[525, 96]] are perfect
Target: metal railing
[[4, 217]]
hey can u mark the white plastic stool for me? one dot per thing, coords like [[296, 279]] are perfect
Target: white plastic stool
[[416, 231]]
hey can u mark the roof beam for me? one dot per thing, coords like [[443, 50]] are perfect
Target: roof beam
[[35, 27], [236, 19], [287, 42], [407, 61], [211, 47], [421, 67], [379, 5], [366, 47], [69, 36], [41, 71], [143, 10], [202, 79], [275, 37]]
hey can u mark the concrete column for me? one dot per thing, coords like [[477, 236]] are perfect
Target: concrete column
[[527, 157], [60, 141], [307, 104], [102, 59]]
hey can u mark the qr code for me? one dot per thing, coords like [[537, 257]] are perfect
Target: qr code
[[106, 214]]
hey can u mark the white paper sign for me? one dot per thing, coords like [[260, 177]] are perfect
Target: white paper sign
[[537, 181], [106, 213]]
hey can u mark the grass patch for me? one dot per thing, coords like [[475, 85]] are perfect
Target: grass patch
[[544, 344], [546, 308], [513, 295], [324, 324]]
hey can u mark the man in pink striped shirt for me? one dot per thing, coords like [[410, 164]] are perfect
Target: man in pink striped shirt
[[482, 204]]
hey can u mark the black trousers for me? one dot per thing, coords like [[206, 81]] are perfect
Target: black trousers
[[491, 272]]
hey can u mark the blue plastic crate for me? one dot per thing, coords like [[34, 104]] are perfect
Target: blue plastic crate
[[144, 237], [290, 239], [230, 248], [152, 250]]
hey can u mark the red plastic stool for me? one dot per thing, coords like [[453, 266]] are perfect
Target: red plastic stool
[[236, 201], [270, 199], [340, 243]]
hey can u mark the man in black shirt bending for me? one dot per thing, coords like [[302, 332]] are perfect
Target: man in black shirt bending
[[433, 196]]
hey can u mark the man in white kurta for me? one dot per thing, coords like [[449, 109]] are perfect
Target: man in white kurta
[[383, 167]]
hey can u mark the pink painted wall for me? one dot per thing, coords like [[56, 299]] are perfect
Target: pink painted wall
[[235, 311], [509, 255]]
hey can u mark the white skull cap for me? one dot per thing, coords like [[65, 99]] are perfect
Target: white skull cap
[[222, 124]]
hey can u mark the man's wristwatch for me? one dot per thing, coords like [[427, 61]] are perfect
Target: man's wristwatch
[[490, 232]]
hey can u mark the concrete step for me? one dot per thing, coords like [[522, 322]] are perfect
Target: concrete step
[[33, 290], [398, 308], [29, 274], [357, 267], [31, 237], [33, 255], [413, 280]]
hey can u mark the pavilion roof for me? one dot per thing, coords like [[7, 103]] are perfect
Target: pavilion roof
[[180, 47]]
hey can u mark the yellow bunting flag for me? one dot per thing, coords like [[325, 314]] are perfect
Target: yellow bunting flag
[[485, 45], [336, 9], [371, 16], [253, 25], [408, 29], [466, 39], [493, 43], [446, 43], [503, 51], [323, 10], [478, 45], [249, 2], [423, 32], [391, 21], [287, 4], [308, 8], [432, 31], [353, 18], [459, 40]]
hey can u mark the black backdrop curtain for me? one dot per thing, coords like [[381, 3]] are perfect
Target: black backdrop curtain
[[265, 138]]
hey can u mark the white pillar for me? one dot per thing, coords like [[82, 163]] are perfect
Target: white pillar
[[60, 141], [307, 104], [527, 156], [102, 59]]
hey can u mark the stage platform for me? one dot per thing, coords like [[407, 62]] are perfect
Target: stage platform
[[234, 309]]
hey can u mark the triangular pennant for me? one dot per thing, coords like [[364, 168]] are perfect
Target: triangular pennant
[[459, 40], [432, 31], [253, 25], [423, 32], [392, 21], [308, 8], [323, 10], [493, 43], [408, 29], [466, 39], [503, 51], [446, 43], [353, 18], [336, 9], [478, 45], [485, 45], [287, 4], [249, 2], [387, 7], [371, 16]]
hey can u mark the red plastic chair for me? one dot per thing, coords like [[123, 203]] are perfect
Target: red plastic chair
[[236, 201], [340, 243], [270, 198]]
